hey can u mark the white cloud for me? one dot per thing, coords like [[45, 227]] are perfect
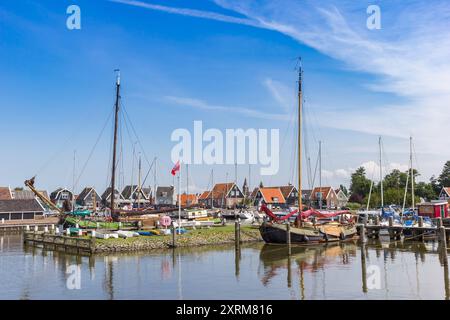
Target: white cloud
[[281, 94], [200, 104]]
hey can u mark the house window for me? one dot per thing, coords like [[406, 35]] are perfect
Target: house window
[[274, 199]]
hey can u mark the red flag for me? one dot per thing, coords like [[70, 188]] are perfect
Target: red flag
[[176, 168]]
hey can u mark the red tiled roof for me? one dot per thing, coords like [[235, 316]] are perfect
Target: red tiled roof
[[286, 190], [191, 197], [204, 195], [272, 195], [5, 193], [325, 192], [447, 190], [221, 190]]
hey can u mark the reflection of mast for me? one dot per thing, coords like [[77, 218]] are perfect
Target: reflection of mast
[[363, 268], [180, 291], [109, 277], [302, 282]]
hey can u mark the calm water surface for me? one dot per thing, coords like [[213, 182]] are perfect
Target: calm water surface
[[347, 271]]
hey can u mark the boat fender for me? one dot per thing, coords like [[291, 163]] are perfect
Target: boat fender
[[342, 236]]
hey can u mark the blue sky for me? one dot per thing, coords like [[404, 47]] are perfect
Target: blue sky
[[58, 85]]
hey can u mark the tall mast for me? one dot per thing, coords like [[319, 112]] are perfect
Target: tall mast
[[116, 124], [212, 188], [299, 141], [320, 174], [412, 171], [139, 188], [187, 184], [381, 175], [154, 183]]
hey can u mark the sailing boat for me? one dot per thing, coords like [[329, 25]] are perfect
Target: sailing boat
[[304, 231]]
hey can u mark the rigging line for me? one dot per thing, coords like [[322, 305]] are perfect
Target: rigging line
[[93, 148], [134, 131], [148, 172]]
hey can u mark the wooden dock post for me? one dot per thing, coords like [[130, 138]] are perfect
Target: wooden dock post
[[288, 237], [392, 232], [36, 228], [443, 238], [362, 233], [438, 222], [421, 226], [174, 240], [45, 229], [237, 233]]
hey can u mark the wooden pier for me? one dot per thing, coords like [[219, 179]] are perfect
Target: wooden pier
[[60, 242], [19, 225], [395, 232]]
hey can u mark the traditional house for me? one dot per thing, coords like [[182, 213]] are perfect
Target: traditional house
[[203, 199], [20, 209], [61, 196], [445, 194], [226, 195], [326, 195], [272, 197], [433, 209], [5, 193], [133, 194], [290, 194], [306, 196], [87, 197], [165, 195], [106, 197], [27, 194], [342, 198], [188, 199]]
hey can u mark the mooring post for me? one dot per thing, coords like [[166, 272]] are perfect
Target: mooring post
[[45, 229], [36, 228], [438, 222], [3, 220], [443, 238], [119, 225], [68, 232], [27, 228], [288, 237], [362, 233], [236, 234], [391, 222], [174, 231], [421, 222], [377, 220], [93, 234]]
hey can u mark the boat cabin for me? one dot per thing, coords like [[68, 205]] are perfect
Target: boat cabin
[[433, 209]]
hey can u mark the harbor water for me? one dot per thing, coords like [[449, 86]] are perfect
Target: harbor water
[[375, 270]]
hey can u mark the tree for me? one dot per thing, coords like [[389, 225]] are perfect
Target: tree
[[344, 189], [360, 185], [444, 177], [425, 191]]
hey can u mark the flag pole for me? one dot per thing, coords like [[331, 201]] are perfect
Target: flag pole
[[179, 200]]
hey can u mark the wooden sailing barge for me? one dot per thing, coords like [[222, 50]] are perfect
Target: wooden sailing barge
[[307, 228]]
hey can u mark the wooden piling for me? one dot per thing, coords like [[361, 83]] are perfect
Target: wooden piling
[[237, 233], [288, 237], [174, 232], [362, 233], [443, 238]]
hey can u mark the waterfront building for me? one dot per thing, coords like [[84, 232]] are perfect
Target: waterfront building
[[188, 199], [290, 194], [326, 195], [17, 209], [272, 197], [225, 195], [165, 195], [61, 196], [132, 194], [5, 193], [342, 198], [433, 209], [106, 197], [87, 196]]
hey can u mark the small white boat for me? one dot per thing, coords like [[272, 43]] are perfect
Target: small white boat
[[101, 235], [126, 234]]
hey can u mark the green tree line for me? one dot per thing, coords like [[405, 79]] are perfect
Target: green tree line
[[394, 185]]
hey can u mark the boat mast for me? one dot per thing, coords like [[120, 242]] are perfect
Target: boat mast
[[381, 175], [154, 183], [299, 141], [320, 174], [212, 188], [187, 184], [139, 188], [116, 123], [412, 172]]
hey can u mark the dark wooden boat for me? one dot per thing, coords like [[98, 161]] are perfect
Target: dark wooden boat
[[306, 232]]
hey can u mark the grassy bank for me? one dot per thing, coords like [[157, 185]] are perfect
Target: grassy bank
[[211, 236]]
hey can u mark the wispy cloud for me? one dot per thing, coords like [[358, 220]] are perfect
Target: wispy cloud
[[191, 12], [200, 104]]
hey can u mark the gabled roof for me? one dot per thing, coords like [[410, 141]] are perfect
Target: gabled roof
[[130, 190], [87, 192], [446, 190], [204, 195], [20, 206], [161, 189], [55, 194], [324, 190], [287, 190], [107, 194], [5, 193], [192, 198], [221, 190], [270, 194]]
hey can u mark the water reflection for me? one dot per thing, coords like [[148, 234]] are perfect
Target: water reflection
[[407, 270]]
